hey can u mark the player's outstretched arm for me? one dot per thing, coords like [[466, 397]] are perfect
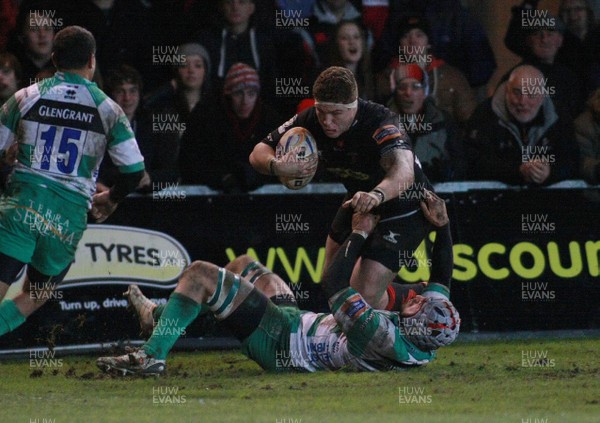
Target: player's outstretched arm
[[261, 157], [337, 275], [399, 172], [105, 202], [442, 257], [399, 175], [264, 161], [434, 209]]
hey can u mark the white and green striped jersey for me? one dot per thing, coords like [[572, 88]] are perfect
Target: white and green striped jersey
[[63, 126], [355, 335]]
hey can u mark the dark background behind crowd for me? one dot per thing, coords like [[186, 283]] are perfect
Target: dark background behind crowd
[[203, 81]]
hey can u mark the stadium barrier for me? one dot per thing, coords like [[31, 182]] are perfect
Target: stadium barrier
[[524, 259]]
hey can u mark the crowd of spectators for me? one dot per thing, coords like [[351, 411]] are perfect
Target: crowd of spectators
[[202, 82]]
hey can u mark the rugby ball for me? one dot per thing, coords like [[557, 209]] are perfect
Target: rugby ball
[[302, 145]]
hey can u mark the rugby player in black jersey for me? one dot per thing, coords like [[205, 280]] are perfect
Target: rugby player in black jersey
[[361, 144]]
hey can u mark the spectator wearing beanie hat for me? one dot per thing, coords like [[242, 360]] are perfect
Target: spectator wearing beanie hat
[[580, 36], [448, 87], [456, 36], [189, 85], [431, 130], [187, 91], [410, 71], [216, 146], [241, 78], [539, 42]]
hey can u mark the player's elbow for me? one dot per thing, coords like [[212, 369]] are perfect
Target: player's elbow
[[257, 158], [253, 159], [238, 264], [403, 179], [408, 176]]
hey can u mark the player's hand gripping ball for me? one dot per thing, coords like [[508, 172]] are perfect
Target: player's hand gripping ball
[[297, 158]]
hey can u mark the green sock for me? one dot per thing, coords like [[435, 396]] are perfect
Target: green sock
[[158, 311], [178, 313], [10, 317]]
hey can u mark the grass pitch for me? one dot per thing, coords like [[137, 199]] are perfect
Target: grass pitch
[[520, 381]]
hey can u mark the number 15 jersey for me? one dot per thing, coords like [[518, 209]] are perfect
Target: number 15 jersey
[[63, 125]]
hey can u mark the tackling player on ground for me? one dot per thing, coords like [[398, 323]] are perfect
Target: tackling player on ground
[[260, 310], [59, 130], [362, 145]]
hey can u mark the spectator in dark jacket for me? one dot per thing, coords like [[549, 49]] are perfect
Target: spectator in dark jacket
[[124, 86], [542, 42], [173, 103], [32, 41], [215, 150], [349, 49], [578, 50], [123, 32], [10, 75], [559, 50], [9, 9], [519, 137], [431, 130], [457, 37], [240, 41], [587, 127], [448, 86], [324, 22]]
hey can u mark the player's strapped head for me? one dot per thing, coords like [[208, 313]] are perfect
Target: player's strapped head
[[337, 85], [437, 323], [73, 47]]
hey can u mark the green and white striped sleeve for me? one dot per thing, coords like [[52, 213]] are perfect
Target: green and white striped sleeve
[[122, 145]]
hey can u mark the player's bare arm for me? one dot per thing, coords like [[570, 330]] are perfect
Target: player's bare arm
[[264, 161], [261, 158], [105, 201], [399, 172], [399, 175], [434, 209]]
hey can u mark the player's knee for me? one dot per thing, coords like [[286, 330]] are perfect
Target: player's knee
[[372, 294], [200, 274], [372, 299], [365, 287], [238, 264]]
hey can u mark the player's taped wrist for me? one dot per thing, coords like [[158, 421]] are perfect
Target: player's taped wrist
[[379, 193]]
